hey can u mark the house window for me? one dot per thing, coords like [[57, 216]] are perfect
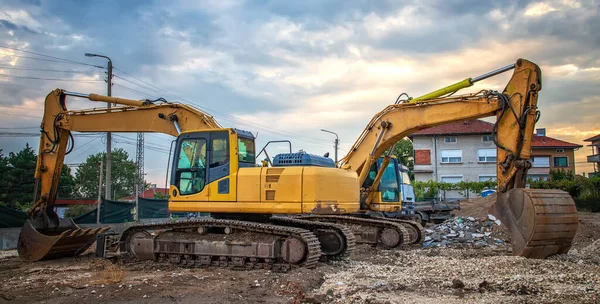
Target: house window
[[452, 179], [560, 150], [541, 161], [450, 139], [486, 155], [561, 161], [487, 138], [483, 178], [451, 156]]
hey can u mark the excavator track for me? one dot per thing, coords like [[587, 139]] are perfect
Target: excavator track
[[415, 230], [222, 243], [337, 241], [368, 231]]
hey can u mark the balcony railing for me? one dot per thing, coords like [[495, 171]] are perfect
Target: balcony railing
[[594, 158]]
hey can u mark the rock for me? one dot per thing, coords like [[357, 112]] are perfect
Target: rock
[[315, 298], [93, 292], [456, 284], [378, 284], [67, 290], [145, 296]]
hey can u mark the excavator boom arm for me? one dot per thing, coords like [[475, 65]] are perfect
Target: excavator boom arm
[[515, 108], [130, 116]]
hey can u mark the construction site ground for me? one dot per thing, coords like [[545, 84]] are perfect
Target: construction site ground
[[411, 275]]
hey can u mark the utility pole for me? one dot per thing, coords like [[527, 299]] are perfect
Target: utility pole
[[137, 203], [108, 134], [99, 195], [336, 143], [140, 161]]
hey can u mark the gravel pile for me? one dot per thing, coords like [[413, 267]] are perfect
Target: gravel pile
[[452, 275], [466, 232], [8, 254]]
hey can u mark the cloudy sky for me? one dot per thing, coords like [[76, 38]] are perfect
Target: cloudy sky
[[286, 69]]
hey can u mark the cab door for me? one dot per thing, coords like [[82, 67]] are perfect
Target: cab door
[[189, 174], [220, 183]]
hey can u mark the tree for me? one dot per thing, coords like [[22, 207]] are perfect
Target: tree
[[124, 175], [561, 174], [76, 210], [19, 181], [160, 195], [66, 187], [3, 177], [17, 174], [403, 150]]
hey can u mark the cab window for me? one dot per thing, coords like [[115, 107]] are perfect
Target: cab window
[[191, 166], [220, 151], [389, 184], [371, 176], [246, 150]]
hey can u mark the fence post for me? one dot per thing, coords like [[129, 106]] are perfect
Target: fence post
[[137, 202], [99, 195]]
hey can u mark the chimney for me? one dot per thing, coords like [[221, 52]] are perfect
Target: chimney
[[540, 132]]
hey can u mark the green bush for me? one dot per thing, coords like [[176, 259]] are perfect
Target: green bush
[[76, 210], [590, 204]]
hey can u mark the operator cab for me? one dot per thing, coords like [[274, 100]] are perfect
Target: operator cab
[[389, 186], [207, 156]]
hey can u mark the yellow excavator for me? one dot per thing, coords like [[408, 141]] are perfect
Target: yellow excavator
[[326, 208]]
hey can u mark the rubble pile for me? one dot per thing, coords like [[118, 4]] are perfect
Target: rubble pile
[[466, 232]]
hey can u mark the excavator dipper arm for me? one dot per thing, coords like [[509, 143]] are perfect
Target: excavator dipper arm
[[45, 235], [541, 222]]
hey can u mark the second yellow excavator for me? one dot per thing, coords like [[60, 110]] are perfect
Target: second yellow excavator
[[328, 208]]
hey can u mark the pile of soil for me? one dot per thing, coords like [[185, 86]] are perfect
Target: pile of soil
[[476, 207]]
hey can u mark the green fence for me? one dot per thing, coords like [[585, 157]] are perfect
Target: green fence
[[110, 212]]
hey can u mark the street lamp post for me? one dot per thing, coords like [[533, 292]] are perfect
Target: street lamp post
[[107, 194], [336, 143]]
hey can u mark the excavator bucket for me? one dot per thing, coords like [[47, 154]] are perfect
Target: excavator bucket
[[67, 240], [541, 222]]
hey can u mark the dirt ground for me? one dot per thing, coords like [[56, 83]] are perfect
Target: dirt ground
[[414, 275]]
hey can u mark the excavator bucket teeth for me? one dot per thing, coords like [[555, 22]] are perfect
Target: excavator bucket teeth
[[541, 222], [44, 244]]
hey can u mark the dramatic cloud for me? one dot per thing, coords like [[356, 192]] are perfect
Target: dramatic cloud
[[287, 69]]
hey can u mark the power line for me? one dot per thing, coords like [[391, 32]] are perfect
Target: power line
[[53, 79], [48, 56], [15, 128], [233, 119], [12, 114], [8, 67], [139, 85], [83, 145], [133, 90]]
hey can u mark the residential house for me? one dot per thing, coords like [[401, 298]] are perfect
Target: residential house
[[465, 151], [550, 153], [595, 157], [455, 152]]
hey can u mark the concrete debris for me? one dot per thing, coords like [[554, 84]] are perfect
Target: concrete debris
[[315, 298], [457, 284], [466, 232]]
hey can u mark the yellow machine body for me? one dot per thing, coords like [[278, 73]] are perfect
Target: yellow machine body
[[266, 190]]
